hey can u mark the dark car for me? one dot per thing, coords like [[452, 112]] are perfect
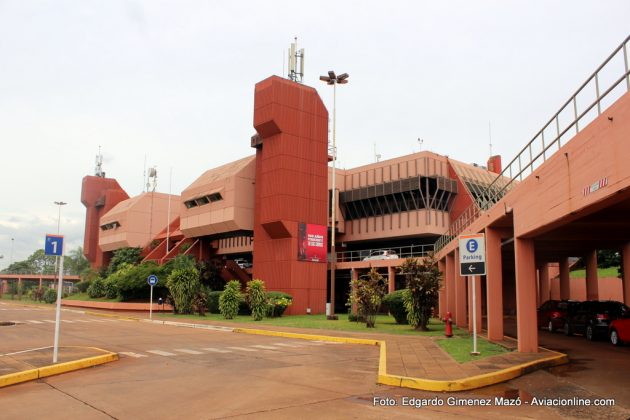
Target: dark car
[[592, 318], [553, 313]]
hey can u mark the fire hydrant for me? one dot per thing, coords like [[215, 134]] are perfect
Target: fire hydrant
[[448, 330]]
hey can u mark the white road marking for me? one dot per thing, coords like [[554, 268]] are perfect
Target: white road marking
[[80, 320], [68, 321], [161, 353], [212, 349], [260, 346], [240, 348], [35, 322], [293, 345], [25, 351], [49, 321], [132, 354], [187, 351]]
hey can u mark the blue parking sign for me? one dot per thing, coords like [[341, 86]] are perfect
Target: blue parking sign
[[53, 245]]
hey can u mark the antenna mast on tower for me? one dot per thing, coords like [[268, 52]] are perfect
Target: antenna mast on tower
[[98, 170], [296, 56]]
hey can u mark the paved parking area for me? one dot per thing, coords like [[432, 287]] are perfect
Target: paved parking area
[[170, 372]]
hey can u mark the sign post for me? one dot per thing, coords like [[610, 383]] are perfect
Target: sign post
[[472, 262], [53, 245], [152, 280]]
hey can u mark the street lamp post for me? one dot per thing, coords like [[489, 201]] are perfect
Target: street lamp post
[[11, 255], [59, 287], [333, 79]]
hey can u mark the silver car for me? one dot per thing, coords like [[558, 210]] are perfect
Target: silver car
[[381, 254]]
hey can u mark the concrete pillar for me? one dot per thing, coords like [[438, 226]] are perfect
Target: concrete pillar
[[354, 275], [494, 284], [450, 283], [391, 279], [625, 254], [565, 282], [442, 292], [526, 325], [476, 305], [460, 294], [592, 286], [543, 277], [40, 284]]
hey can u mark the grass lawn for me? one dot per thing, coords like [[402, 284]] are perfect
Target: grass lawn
[[460, 347], [84, 296], [25, 300], [384, 323], [601, 273]]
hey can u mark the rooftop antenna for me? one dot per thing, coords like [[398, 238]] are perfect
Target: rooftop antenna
[[152, 179], [144, 175], [377, 156], [490, 136], [296, 56], [420, 142], [98, 170]]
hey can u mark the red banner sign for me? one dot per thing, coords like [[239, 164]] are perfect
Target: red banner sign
[[312, 242]]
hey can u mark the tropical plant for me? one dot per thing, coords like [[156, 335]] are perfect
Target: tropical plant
[[423, 284], [256, 299], [184, 286], [123, 255], [395, 304], [50, 295], [367, 294], [230, 299], [96, 289], [277, 303], [213, 301]]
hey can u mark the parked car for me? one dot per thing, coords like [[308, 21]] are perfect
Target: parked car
[[592, 318], [381, 254], [243, 263], [553, 313], [619, 331]]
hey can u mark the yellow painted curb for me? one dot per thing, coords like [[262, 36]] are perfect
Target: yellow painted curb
[[130, 318], [464, 384], [45, 371]]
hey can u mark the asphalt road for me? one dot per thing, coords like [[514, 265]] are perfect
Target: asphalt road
[[173, 372]]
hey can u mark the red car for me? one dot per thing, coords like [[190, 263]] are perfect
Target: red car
[[619, 331], [552, 313]]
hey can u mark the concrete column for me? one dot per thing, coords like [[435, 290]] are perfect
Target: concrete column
[[543, 277], [625, 254], [40, 284], [391, 279], [527, 328], [354, 275], [460, 294], [450, 283], [476, 305], [442, 292], [592, 282], [565, 282], [494, 284]]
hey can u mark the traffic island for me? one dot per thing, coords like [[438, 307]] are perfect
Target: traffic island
[[31, 364]]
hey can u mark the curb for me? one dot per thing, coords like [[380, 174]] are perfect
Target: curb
[[50, 370], [463, 384]]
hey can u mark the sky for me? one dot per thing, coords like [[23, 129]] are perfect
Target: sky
[[172, 83]]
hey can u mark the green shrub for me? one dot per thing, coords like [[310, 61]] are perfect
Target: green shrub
[[213, 301], [395, 304], [184, 286], [230, 299], [121, 256], [367, 294], [96, 289], [50, 296], [257, 299], [36, 294], [277, 303], [111, 289], [83, 286]]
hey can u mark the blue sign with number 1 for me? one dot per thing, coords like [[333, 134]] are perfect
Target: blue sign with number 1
[[53, 245]]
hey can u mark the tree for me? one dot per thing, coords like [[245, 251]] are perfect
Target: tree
[[423, 284], [367, 294], [75, 262], [123, 255]]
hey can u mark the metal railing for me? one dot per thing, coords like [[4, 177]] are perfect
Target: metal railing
[[410, 251], [547, 140]]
